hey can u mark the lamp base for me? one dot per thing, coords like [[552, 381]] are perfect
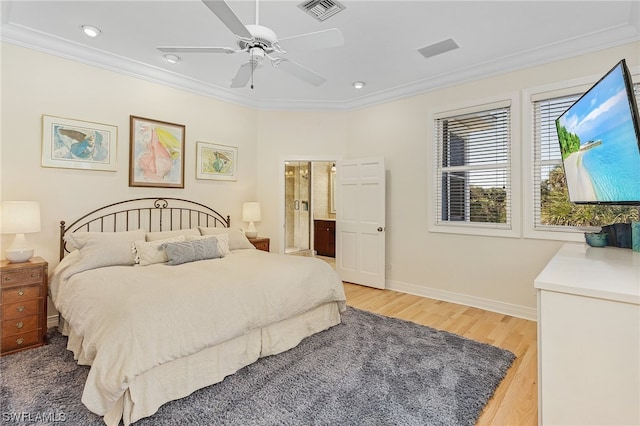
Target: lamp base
[[18, 255], [251, 231]]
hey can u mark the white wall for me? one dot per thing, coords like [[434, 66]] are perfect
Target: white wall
[[303, 135], [34, 84], [491, 272]]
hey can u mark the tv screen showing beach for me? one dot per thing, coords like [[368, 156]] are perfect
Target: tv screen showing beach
[[598, 138]]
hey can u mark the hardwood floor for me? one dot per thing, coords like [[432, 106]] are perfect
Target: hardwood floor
[[515, 400]]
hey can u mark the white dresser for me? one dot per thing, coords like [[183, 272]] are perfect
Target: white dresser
[[589, 337]]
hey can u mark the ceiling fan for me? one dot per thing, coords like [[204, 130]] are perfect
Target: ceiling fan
[[261, 42]]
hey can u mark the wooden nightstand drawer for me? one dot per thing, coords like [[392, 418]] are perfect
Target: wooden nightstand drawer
[[19, 325], [21, 293], [23, 304], [20, 309], [261, 243], [21, 341], [24, 276]]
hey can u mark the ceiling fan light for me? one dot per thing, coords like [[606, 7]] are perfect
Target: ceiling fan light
[[359, 84], [91, 31], [172, 59]]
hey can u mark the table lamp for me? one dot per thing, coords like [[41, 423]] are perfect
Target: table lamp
[[251, 213], [19, 218]]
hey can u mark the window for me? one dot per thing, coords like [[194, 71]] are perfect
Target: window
[[552, 210], [473, 167]]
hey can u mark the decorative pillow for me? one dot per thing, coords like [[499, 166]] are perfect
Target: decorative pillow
[[163, 235], [99, 249], [77, 240], [222, 240], [190, 251], [237, 239], [148, 253]]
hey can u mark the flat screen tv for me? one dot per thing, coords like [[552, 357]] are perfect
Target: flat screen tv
[[599, 138]]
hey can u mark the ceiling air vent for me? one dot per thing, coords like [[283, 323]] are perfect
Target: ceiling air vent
[[321, 9], [438, 48]]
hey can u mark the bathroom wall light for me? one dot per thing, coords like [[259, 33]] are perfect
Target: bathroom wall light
[[91, 31]]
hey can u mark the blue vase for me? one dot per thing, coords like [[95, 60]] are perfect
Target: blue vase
[[635, 236]]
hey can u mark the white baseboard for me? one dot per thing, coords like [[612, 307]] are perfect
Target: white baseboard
[[464, 299], [52, 321]]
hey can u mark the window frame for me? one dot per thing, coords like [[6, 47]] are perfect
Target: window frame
[[513, 227], [529, 97]]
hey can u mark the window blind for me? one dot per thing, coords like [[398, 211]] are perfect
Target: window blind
[[473, 168], [548, 173], [547, 157]]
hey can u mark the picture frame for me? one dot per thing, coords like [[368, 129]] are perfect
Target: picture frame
[[216, 162], [156, 153], [76, 144]]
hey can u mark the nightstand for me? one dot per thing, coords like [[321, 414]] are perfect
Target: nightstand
[[23, 302], [261, 243]]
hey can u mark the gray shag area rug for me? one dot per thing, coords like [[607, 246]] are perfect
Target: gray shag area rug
[[369, 370]]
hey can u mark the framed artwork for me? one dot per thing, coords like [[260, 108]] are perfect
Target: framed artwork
[[218, 162], [75, 144], [156, 153]]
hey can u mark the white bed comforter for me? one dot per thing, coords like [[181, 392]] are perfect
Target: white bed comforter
[[131, 319]]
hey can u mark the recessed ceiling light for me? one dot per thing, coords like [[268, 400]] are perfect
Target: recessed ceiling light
[[172, 59], [358, 84], [91, 31]]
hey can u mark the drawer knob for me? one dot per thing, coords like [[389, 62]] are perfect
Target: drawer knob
[[33, 275], [7, 278], [20, 341], [21, 292], [20, 308], [19, 324]]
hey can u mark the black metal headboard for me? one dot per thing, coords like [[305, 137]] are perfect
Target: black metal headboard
[[151, 214]]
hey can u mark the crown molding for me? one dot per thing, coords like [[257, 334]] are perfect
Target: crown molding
[[611, 37], [23, 37]]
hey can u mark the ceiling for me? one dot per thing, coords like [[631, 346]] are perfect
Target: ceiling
[[381, 42]]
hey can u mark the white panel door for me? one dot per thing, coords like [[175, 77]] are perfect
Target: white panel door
[[360, 221]]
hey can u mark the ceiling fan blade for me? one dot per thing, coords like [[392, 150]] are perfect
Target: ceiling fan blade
[[300, 72], [244, 74], [188, 49], [316, 40], [222, 10]]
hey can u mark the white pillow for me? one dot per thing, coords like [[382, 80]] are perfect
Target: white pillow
[[221, 239], [237, 239], [150, 252], [98, 249], [162, 235]]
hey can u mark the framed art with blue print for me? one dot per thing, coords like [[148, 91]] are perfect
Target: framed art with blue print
[[76, 144]]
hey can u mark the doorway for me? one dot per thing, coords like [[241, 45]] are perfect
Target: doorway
[[297, 180], [306, 195]]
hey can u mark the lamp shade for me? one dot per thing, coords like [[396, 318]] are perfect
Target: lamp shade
[[19, 217], [251, 212]]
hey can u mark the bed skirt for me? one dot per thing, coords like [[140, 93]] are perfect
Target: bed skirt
[[179, 378]]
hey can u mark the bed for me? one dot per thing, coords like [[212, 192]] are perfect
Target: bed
[[161, 297]]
